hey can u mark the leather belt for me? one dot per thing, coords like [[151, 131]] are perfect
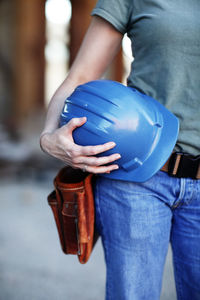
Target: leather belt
[[183, 165]]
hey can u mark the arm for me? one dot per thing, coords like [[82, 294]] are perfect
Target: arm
[[99, 47]]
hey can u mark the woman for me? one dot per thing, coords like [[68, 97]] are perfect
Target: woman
[[137, 221]]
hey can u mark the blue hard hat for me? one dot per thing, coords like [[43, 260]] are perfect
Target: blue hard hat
[[144, 131]]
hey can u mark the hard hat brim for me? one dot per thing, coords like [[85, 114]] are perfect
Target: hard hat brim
[[158, 157]]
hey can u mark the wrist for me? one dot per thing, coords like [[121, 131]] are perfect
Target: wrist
[[42, 137]]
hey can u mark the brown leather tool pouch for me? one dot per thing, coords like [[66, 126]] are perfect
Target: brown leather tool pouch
[[72, 203]]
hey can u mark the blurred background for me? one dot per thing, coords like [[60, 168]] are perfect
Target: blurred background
[[38, 42]]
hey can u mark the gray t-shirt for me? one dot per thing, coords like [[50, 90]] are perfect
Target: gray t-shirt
[[165, 37]]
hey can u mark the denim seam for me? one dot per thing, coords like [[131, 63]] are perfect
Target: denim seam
[[182, 190], [178, 282], [191, 191], [98, 207], [181, 195], [104, 239]]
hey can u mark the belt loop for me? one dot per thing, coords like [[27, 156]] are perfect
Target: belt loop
[[198, 172], [176, 164]]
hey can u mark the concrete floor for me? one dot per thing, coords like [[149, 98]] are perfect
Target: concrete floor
[[32, 265]]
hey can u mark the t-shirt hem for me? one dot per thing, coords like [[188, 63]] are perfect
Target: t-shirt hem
[[108, 17]]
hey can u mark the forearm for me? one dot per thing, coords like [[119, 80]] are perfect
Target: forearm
[[100, 45], [56, 105]]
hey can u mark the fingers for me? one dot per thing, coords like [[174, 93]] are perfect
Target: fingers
[[101, 169], [60, 144], [94, 150], [97, 165], [84, 157], [96, 161], [92, 164]]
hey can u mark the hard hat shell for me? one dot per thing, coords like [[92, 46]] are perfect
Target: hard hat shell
[[144, 131]]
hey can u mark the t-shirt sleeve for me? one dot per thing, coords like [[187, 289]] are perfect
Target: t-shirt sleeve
[[116, 12]]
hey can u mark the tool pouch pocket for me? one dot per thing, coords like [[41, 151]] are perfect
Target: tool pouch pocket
[[72, 204]]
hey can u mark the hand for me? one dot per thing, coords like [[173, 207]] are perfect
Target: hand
[[60, 144]]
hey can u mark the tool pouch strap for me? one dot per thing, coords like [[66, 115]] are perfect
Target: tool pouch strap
[[72, 205]]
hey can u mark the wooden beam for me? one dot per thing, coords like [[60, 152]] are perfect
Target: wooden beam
[[29, 57], [79, 23]]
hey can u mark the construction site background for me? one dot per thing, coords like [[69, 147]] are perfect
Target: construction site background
[[39, 40]]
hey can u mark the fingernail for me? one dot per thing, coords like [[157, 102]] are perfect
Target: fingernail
[[116, 167], [112, 144], [118, 156]]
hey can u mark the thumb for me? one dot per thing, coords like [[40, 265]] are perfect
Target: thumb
[[74, 123]]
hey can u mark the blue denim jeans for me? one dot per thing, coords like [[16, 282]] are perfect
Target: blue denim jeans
[[136, 222]]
